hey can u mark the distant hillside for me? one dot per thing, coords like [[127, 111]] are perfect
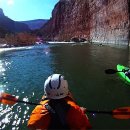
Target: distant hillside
[[1, 12], [10, 25], [35, 24]]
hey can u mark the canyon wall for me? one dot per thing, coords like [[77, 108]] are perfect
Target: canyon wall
[[106, 21]]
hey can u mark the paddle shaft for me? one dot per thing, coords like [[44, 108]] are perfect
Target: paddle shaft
[[112, 71], [100, 112], [89, 111], [20, 101], [109, 112], [30, 103]]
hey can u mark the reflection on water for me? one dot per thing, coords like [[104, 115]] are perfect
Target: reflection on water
[[23, 72], [10, 118], [18, 77]]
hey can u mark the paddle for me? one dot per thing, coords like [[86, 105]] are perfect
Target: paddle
[[6, 98], [119, 113], [112, 71]]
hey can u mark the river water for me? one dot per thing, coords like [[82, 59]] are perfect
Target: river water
[[24, 70]]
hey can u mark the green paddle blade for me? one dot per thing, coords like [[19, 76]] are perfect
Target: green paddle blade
[[111, 71]]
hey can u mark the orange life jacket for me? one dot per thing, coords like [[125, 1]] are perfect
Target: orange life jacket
[[73, 117]]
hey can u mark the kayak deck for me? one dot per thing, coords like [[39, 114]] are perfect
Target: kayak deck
[[122, 74]]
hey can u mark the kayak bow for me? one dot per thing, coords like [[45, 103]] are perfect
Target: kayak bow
[[121, 73]]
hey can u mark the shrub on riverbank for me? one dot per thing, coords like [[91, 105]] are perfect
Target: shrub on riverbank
[[19, 39]]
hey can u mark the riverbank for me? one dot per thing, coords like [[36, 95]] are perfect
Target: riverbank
[[111, 44], [98, 43], [62, 42]]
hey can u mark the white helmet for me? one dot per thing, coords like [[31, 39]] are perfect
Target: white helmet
[[55, 87]]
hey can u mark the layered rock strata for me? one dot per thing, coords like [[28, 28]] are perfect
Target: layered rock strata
[[104, 21]]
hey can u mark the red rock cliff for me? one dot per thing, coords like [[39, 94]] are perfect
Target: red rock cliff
[[97, 20]]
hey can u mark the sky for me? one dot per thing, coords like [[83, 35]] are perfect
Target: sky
[[22, 10]]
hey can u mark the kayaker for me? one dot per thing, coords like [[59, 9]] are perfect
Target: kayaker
[[58, 109], [127, 73]]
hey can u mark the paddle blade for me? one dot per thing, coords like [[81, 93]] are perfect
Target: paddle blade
[[7, 99], [121, 113], [110, 71]]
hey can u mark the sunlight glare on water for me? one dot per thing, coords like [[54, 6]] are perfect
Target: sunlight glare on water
[[12, 117]]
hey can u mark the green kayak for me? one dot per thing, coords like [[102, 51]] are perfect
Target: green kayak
[[122, 74]]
